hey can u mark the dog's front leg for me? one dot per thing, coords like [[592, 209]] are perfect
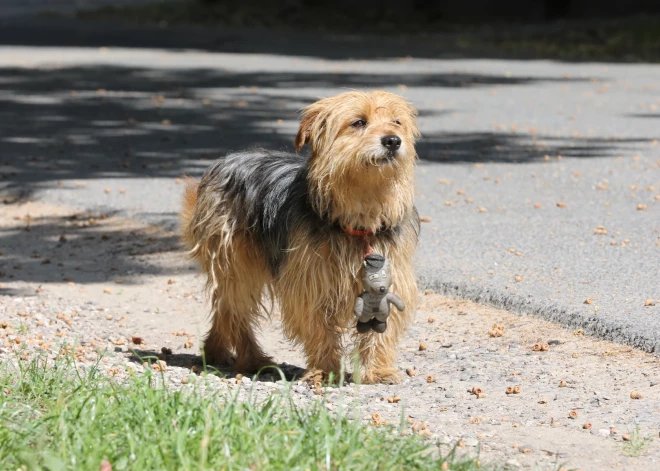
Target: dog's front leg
[[320, 338], [322, 345], [377, 352]]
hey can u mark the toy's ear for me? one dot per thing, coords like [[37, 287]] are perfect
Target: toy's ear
[[309, 118]]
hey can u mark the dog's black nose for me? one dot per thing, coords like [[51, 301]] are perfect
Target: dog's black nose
[[391, 141], [382, 289]]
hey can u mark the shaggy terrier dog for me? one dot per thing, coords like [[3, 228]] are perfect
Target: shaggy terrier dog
[[298, 229]]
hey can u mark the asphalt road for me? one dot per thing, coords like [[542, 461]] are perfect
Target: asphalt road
[[520, 163]]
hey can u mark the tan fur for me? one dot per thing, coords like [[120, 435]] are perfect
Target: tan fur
[[318, 283]]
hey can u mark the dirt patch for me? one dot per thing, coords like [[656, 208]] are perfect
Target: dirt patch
[[515, 389]]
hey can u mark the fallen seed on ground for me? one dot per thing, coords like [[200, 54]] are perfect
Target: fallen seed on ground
[[476, 390], [561, 205], [636, 395], [136, 340], [431, 319], [625, 437], [543, 400], [573, 414], [425, 219], [475, 420], [516, 390], [422, 347], [509, 390], [393, 399], [562, 384], [537, 347], [649, 302], [641, 207], [481, 395], [587, 426], [166, 351], [411, 371], [430, 379], [545, 347], [375, 417]]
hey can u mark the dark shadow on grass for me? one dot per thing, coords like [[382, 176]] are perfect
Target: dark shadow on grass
[[621, 40]]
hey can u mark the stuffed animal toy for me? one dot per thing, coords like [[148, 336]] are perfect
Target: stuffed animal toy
[[372, 307]]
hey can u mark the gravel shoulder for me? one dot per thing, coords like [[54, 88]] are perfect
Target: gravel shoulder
[[98, 282]]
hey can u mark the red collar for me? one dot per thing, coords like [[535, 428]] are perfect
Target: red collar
[[358, 232]]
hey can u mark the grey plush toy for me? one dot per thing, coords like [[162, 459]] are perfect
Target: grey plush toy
[[372, 307]]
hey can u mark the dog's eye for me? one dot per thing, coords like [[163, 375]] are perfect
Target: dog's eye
[[396, 121], [360, 123]]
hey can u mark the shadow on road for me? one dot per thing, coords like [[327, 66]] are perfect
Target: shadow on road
[[83, 248], [82, 123]]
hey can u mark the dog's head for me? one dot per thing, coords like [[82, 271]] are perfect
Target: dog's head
[[361, 166]]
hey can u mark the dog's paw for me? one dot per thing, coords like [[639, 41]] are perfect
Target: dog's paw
[[219, 357], [382, 376], [317, 377]]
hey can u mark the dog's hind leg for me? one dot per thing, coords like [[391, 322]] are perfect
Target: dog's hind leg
[[238, 285]]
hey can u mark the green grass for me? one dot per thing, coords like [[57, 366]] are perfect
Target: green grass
[[54, 417], [637, 444]]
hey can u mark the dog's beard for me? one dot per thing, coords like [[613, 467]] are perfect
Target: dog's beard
[[380, 157]]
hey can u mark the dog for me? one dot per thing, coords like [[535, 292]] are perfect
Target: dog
[[298, 228]]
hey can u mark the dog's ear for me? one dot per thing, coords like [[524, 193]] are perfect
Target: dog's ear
[[307, 122]]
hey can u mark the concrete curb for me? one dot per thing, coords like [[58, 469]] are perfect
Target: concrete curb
[[570, 318]]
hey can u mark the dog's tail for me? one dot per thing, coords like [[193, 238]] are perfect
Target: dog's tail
[[188, 210]]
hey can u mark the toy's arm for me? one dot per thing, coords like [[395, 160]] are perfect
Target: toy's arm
[[359, 306], [397, 301]]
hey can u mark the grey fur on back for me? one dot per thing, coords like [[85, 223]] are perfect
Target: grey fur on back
[[267, 192]]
